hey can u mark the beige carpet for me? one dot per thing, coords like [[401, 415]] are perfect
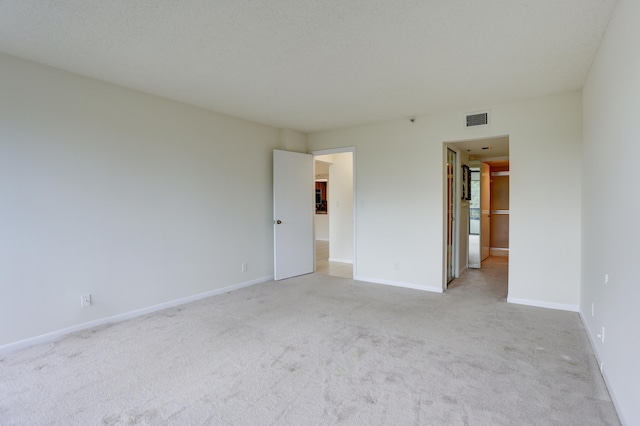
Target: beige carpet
[[319, 350]]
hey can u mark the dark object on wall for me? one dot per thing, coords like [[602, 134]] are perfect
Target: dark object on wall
[[466, 182], [321, 197]]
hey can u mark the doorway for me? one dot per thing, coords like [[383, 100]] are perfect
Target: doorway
[[335, 212], [478, 217]]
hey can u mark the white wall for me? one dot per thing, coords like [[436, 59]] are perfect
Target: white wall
[[292, 140], [341, 208], [322, 227], [400, 180], [132, 198], [610, 208]]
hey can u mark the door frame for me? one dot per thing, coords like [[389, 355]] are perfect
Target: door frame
[[352, 150], [457, 145], [456, 210]]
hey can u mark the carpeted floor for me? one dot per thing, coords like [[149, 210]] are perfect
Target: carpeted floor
[[319, 350]]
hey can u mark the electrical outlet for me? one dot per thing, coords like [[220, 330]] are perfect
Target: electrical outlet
[[245, 267], [601, 335], [397, 265], [593, 309], [606, 278], [85, 301]]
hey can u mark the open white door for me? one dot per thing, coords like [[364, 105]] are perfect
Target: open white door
[[485, 206], [293, 210]]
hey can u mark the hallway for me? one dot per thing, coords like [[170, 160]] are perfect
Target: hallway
[[335, 269], [491, 280]]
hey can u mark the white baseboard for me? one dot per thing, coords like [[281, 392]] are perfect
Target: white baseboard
[[400, 284], [541, 304], [603, 373], [48, 337], [591, 339], [500, 252], [333, 259]]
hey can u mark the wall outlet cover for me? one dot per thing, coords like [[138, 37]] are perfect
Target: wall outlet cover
[[85, 300]]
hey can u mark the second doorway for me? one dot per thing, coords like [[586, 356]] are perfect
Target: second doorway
[[334, 216]]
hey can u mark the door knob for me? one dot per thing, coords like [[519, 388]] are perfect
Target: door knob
[[278, 221]]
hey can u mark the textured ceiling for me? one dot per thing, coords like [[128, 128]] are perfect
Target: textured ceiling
[[313, 65]]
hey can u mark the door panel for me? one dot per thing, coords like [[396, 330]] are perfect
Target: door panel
[[485, 206], [451, 208], [293, 211]]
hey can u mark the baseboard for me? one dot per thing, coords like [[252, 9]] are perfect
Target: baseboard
[[322, 239], [48, 337], [333, 259], [591, 340], [541, 304], [399, 284], [500, 252], [603, 373]]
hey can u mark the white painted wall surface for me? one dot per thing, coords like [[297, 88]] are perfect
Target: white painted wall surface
[[610, 208], [292, 140], [322, 227], [341, 208], [400, 196], [135, 199]]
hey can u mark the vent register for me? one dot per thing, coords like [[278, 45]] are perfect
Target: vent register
[[477, 119]]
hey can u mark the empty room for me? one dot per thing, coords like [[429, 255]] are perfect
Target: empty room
[[167, 170]]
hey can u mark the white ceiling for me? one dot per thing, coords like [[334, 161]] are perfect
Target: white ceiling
[[316, 64], [487, 148]]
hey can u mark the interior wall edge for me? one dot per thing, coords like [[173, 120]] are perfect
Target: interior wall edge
[[543, 304], [433, 289], [595, 354]]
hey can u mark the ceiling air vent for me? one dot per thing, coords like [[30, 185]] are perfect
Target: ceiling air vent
[[478, 119]]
